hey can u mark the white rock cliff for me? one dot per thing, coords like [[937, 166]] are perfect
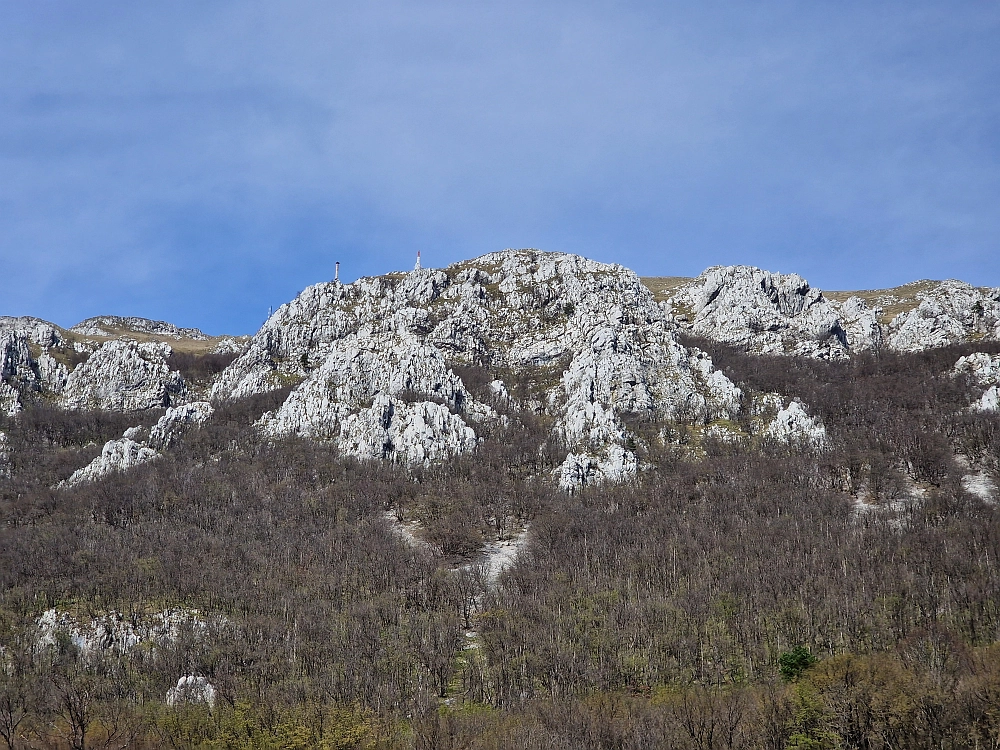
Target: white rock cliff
[[373, 359]]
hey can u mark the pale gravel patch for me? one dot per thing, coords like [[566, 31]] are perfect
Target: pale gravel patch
[[982, 485], [498, 556]]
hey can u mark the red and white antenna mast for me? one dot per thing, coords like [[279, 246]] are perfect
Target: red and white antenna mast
[[417, 266]]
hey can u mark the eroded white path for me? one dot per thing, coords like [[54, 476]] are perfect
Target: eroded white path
[[982, 485], [493, 559], [498, 556]]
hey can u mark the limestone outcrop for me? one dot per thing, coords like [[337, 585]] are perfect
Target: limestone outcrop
[[984, 371], [365, 355], [794, 425], [950, 312], [117, 456], [102, 363], [16, 371], [115, 632], [33, 330], [192, 689], [773, 313], [135, 448], [124, 376], [114, 326], [4, 455], [176, 422]]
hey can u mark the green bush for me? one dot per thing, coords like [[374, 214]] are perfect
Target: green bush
[[793, 663]]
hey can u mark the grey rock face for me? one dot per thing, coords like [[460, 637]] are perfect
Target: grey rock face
[[984, 370], [124, 376], [416, 432], [10, 400], [116, 456], [772, 313], [949, 313], [34, 330], [192, 689], [177, 421], [591, 330], [793, 424], [231, 345], [353, 399], [133, 448], [17, 370], [4, 455], [116, 632]]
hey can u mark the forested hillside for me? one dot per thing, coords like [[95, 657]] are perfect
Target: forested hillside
[[741, 591]]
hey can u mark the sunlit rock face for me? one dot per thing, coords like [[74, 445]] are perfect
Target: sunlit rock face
[[101, 363], [115, 632], [124, 376], [191, 689], [794, 425], [772, 313], [117, 456], [114, 326], [950, 312], [136, 447], [984, 371], [374, 360], [4, 455]]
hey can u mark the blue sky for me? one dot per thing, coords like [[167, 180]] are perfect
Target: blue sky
[[201, 161]]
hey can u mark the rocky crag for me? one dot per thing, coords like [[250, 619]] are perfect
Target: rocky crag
[[113, 326], [773, 313], [373, 362], [984, 371], [137, 446], [109, 363], [375, 365]]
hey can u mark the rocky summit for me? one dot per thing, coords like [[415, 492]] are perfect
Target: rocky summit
[[373, 362]]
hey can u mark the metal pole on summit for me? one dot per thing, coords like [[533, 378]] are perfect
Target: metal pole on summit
[[336, 271]]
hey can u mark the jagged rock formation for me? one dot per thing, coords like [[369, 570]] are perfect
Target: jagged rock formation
[[795, 425], [114, 326], [770, 313], [231, 345], [18, 371], [41, 361], [4, 455], [33, 330], [177, 421], [116, 632], [984, 370], [116, 456], [334, 402], [592, 332], [948, 313], [192, 689], [132, 449], [124, 376]]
